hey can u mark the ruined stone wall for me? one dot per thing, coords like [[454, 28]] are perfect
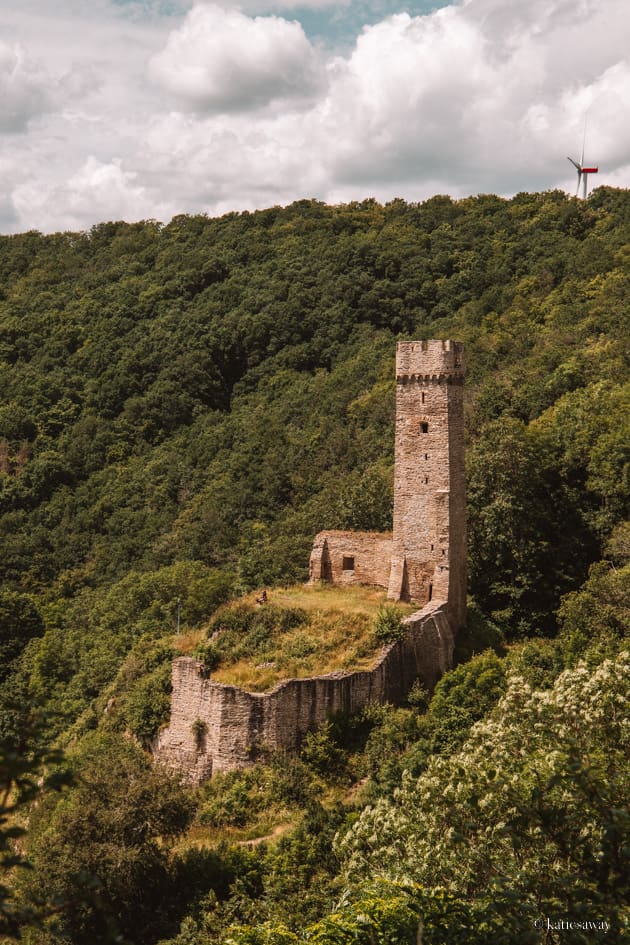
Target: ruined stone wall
[[236, 723], [345, 557]]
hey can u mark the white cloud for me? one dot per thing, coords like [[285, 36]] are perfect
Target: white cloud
[[23, 89], [110, 191], [214, 110], [221, 60], [484, 96]]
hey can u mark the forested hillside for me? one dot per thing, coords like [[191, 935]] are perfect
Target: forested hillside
[[182, 408]]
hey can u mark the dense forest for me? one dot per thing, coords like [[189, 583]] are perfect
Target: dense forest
[[182, 407]]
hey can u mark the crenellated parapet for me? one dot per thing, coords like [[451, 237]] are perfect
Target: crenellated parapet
[[430, 360]]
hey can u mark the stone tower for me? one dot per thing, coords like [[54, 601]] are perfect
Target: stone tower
[[429, 536]]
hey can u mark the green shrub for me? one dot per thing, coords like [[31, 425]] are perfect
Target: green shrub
[[463, 696], [479, 634], [208, 654], [243, 631], [147, 705], [322, 753], [388, 626]]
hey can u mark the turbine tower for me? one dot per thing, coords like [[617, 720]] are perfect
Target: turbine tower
[[582, 172]]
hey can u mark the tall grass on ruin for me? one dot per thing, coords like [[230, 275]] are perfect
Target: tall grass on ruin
[[299, 632]]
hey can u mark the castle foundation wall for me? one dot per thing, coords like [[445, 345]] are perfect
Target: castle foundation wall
[[214, 727]]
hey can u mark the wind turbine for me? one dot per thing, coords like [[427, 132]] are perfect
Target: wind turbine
[[582, 171]]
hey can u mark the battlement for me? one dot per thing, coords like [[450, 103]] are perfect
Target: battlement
[[428, 361]]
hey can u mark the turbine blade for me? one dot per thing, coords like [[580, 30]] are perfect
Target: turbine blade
[[577, 192], [575, 164]]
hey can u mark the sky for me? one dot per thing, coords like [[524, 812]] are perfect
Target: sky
[[144, 109]]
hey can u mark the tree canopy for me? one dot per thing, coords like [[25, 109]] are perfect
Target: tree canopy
[[182, 407]]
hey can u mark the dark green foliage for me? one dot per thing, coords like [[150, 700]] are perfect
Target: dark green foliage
[[322, 752], [102, 851], [29, 766], [514, 537], [479, 634], [182, 408], [20, 621], [148, 704]]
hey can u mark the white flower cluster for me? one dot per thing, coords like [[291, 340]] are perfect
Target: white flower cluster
[[525, 801]]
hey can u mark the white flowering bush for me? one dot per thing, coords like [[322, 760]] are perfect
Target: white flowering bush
[[529, 818]]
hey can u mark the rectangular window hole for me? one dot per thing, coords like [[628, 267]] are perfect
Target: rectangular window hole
[[424, 427], [348, 563], [422, 396], [426, 480], [430, 591]]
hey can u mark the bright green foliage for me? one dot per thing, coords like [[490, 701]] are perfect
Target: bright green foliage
[[388, 625], [538, 662], [268, 933], [528, 818], [595, 620], [464, 696], [386, 914], [403, 739]]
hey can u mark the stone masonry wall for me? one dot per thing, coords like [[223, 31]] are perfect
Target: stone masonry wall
[[429, 492], [236, 723], [345, 557]]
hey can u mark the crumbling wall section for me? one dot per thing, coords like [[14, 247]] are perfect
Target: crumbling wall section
[[346, 557], [215, 727]]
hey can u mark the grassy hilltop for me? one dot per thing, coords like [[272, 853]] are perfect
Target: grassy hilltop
[[182, 408]]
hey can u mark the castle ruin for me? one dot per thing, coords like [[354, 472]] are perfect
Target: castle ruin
[[424, 559], [215, 727]]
